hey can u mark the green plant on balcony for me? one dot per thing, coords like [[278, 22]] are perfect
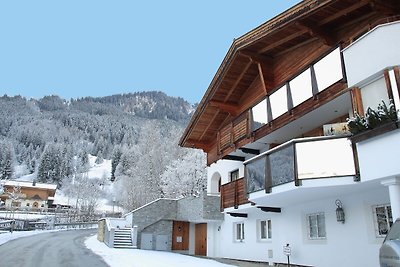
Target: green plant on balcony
[[373, 118]]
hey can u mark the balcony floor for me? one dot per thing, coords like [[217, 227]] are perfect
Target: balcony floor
[[311, 190]]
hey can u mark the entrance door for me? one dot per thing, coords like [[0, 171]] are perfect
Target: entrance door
[[201, 239], [180, 235]]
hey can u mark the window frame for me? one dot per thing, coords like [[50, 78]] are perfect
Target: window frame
[[238, 230], [232, 173], [268, 230], [388, 219], [319, 235]]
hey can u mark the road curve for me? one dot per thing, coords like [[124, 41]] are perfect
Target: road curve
[[55, 249]]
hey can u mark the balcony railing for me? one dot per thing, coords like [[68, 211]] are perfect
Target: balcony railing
[[300, 159], [233, 194]]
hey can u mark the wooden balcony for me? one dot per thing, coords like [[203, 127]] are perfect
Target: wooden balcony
[[233, 194]]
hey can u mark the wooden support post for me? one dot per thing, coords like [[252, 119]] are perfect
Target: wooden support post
[[356, 101]]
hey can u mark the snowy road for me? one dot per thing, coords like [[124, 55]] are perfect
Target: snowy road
[[63, 248]]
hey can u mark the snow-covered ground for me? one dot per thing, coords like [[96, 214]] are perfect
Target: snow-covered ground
[[5, 237], [129, 257], [146, 258]]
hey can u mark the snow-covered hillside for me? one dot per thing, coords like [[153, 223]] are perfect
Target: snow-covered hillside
[[97, 171]]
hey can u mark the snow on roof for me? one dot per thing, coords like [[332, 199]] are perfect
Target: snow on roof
[[30, 184]]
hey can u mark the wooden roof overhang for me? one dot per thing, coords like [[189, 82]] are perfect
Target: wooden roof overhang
[[273, 53]]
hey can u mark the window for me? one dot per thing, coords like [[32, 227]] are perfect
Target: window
[[16, 204], [234, 175], [383, 219], [239, 232], [316, 226], [265, 231], [27, 204]]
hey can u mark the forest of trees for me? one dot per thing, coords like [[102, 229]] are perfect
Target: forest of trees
[[52, 138]]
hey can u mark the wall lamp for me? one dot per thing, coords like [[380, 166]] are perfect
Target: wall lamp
[[339, 211]]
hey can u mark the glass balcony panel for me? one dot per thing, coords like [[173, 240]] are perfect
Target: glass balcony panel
[[278, 102], [282, 165], [259, 113], [300, 88], [324, 158], [255, 175], [328, 70]]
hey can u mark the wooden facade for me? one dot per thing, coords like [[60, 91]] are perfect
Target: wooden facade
[[32, 195], [266, 58]]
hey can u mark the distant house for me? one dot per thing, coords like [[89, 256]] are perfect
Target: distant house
[[28, 195]]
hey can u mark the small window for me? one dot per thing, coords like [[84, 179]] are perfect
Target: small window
[[234, 175], [316, 226], [239, 232], [383, 219], [265, 232], [27, 204]]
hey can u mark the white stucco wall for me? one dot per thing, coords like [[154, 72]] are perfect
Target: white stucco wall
[[350, 244], [379, 156], [223, 167], [375, 51], [373, 93]]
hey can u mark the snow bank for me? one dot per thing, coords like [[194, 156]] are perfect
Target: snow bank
[[141, 258]]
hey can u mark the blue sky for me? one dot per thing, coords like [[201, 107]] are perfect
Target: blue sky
[[98, 48]]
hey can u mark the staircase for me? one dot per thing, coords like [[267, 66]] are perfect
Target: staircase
[[123, 238]]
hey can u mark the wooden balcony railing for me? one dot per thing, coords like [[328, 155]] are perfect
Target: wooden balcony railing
[[233, 194]]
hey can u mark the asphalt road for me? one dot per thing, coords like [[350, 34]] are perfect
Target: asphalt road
[[63, 248]]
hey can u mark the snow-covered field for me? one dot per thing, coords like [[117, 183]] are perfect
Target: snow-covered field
[[146, 258]]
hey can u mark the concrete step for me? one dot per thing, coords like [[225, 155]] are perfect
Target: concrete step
[[124, 246]]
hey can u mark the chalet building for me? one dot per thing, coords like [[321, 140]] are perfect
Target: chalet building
[[295, 179], [28, 195]]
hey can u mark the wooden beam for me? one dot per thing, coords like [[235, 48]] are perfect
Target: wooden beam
[[396, 71], [235, 214], [270, 209], [250, 151], [209, 124], [235, 158], [388, 84], [282, 41], [384, 8], [198, 144], [238, 80], [316, 31], [267, 77], [356, 101], [358, 4], [225, 107]]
